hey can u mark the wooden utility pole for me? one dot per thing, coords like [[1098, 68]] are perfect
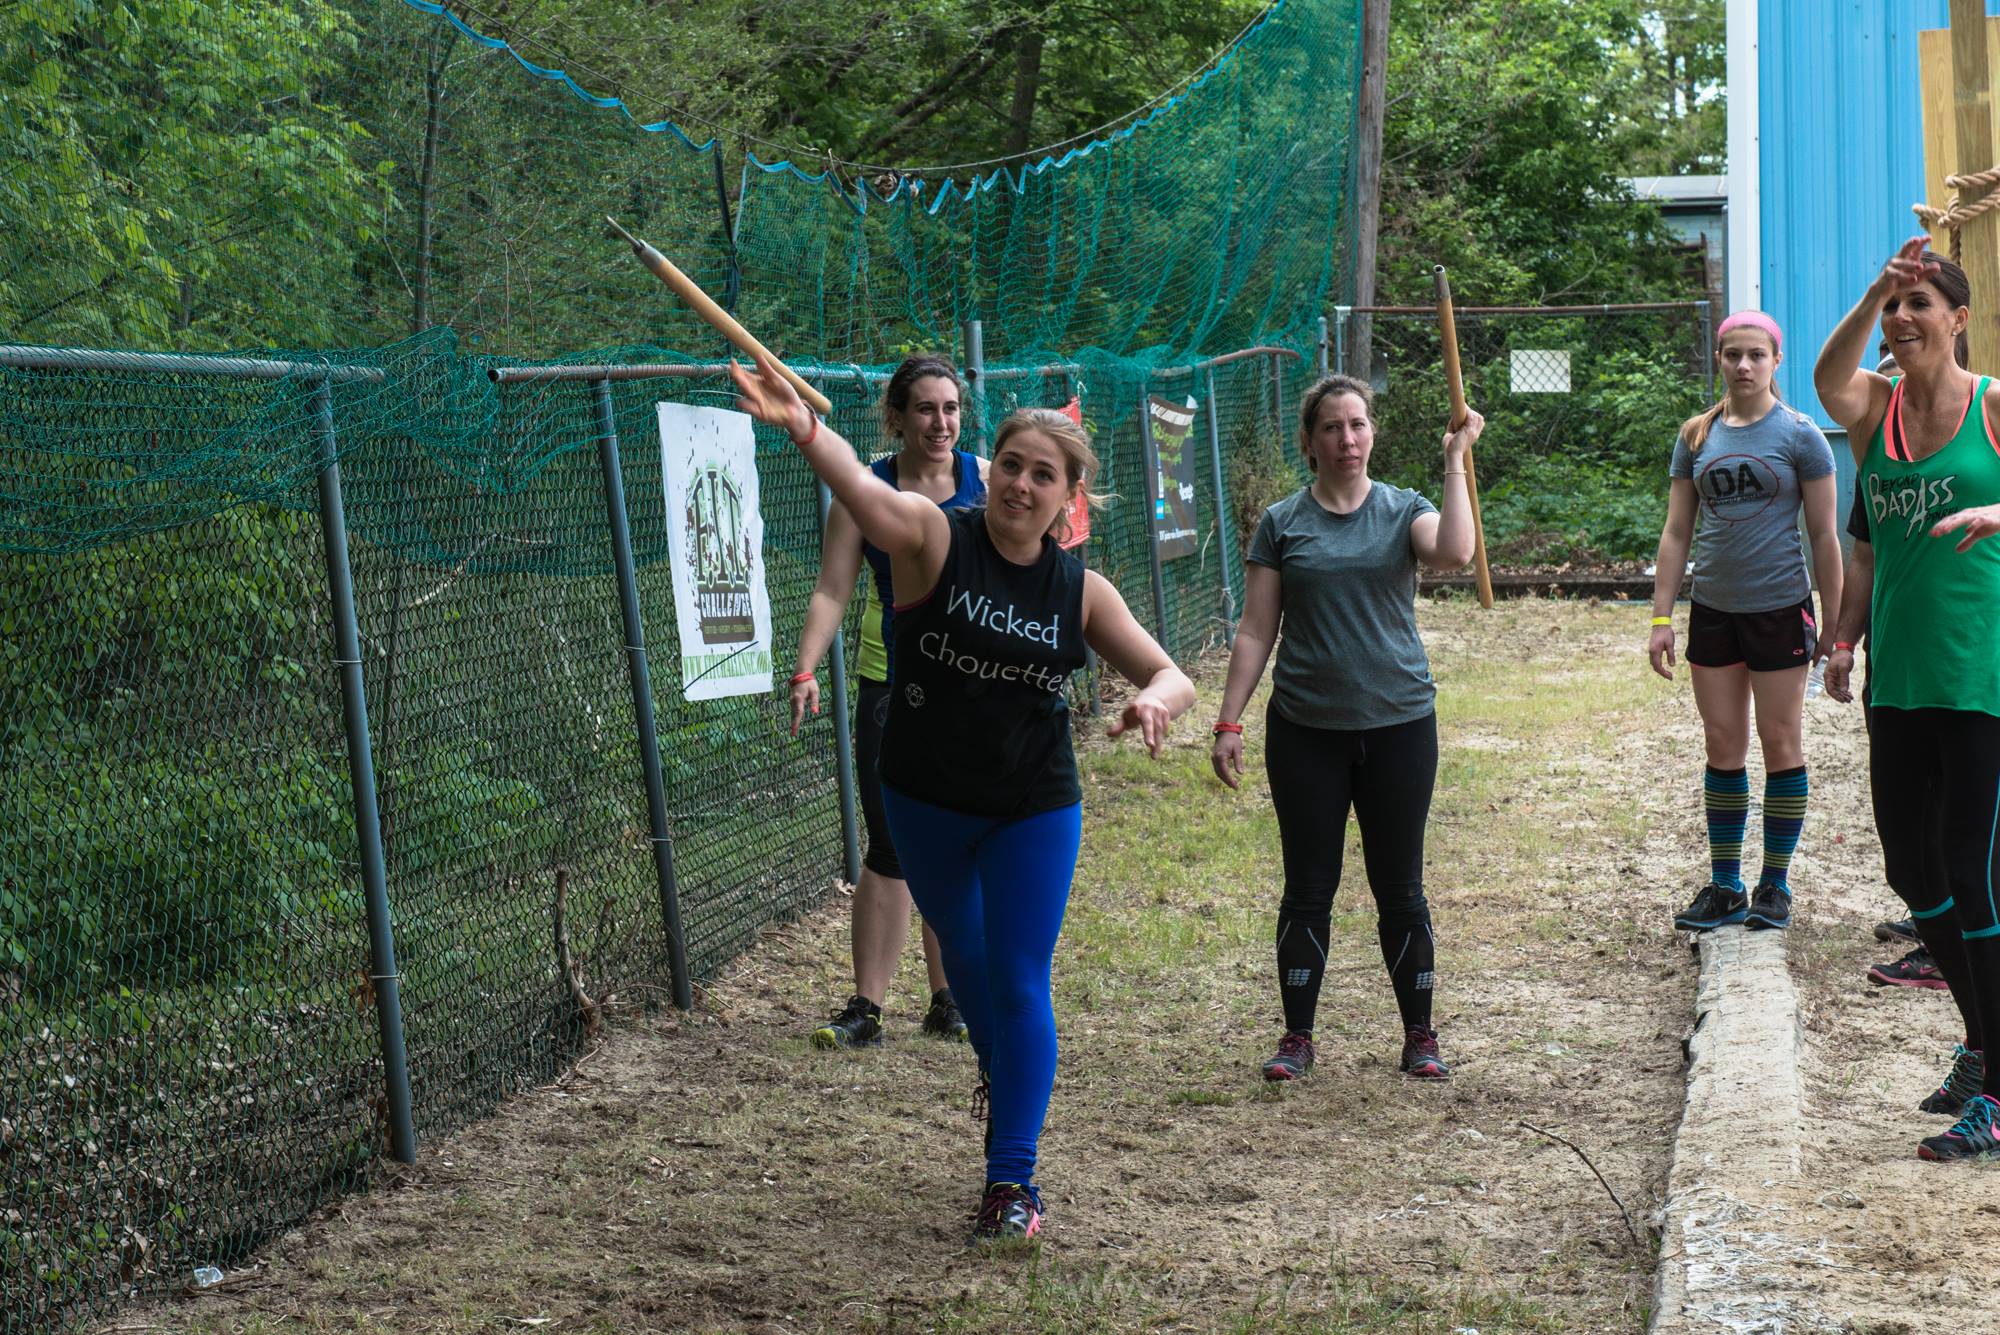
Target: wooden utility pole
[[1368, 180], [1972, 125]]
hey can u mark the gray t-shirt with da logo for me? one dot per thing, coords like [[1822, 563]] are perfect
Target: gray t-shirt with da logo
[[1748, 553]]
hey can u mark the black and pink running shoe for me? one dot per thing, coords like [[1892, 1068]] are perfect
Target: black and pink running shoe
[[1010, 1212], [1966, 1078], [1916, 969], [1976, 1133], [1421, 1060], [1293, 1058]]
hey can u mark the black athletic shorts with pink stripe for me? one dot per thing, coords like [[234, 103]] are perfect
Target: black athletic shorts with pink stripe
[[1762, 641]]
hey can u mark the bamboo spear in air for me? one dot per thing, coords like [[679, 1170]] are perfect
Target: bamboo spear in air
[[690, 292]]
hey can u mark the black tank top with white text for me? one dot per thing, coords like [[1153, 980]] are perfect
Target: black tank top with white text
[[978, 717]]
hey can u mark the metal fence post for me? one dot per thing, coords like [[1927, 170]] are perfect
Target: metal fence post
[[1708, 347], [843, 734], [1222, 502], [975, 377], [1278, 391], [361, 773], [1153, 498], [642, 694], [1340, 314], [1320, 348]]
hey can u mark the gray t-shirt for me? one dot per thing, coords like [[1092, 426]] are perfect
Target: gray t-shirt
[[1348, 652], [1748, 555]]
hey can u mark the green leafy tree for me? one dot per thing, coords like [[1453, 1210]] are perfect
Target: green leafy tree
[[173, 173]]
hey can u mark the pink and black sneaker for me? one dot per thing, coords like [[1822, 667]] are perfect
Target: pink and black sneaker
[[1293, 1058], [1975, 1133], [1010, 1212], [1420, 1054], [1916, 969]]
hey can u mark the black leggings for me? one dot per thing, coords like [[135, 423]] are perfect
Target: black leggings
[[872, 711], [1936, 780], [1386, 775]]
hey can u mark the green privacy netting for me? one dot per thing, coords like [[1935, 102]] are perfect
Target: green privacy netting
[[393, 204], [381, 183]]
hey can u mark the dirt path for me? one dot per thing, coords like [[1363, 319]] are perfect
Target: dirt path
[[712, 1172]]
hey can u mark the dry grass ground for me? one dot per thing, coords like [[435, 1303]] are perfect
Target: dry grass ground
[[712, 1172]]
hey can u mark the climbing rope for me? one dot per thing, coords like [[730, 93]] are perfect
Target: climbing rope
[[1959, 211]]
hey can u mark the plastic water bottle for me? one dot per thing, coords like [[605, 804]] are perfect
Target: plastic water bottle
[[1815, 679], [206, 1276]]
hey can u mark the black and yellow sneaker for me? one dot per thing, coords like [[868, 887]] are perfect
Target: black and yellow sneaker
[[1966, 1078], [942, 1020], [1975, 1133], [1010, 1212], [858, 1026]]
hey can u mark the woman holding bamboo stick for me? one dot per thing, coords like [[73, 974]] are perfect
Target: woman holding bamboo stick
[[1351, 720], [978, 777]]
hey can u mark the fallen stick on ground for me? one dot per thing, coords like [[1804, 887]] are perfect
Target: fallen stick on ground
[[1630, 1227]]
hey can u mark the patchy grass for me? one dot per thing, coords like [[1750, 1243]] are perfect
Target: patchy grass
[[713, 1172]]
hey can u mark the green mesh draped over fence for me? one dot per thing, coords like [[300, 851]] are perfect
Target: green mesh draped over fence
[[349, 181], [341, 217]]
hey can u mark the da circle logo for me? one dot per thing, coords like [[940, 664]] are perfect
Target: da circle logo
[[1737, 487]]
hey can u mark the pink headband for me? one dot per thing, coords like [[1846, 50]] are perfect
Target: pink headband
[[1753, 320]]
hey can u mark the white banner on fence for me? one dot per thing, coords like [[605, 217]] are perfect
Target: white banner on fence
[[716, 542]]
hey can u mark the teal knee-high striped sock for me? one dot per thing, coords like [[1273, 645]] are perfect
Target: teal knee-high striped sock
[[1785, 794], [1726, 795]]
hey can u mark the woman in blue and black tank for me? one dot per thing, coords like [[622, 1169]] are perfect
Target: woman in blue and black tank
[[1351, 721], [920, 413], [978, 775]]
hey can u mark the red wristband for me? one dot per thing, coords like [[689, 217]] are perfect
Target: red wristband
[[798, 677], [1848, 645], [811, 435], [1221, 728]]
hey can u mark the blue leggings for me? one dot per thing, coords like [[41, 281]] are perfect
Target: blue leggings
[[994, 891]]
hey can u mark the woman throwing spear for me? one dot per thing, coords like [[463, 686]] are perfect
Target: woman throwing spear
[[1351, 720], [1927, 455], [978, 777]]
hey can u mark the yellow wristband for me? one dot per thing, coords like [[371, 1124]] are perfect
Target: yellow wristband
[[1663, 621]]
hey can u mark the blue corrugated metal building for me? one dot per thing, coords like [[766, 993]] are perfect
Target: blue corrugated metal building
[[1826, 155]]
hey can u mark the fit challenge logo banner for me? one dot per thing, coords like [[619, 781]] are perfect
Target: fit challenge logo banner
[[716, 545]]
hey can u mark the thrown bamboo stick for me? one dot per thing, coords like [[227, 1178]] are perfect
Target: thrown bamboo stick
[[725, 324]]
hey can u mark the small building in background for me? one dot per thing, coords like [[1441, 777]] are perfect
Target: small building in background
[[1696, 209]]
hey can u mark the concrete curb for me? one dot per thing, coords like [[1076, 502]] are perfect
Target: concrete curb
[[1740, 1132]]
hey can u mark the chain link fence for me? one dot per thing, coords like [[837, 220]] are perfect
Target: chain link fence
[[1581, 407], [193, 1028]]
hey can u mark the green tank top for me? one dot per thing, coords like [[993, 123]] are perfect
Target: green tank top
[[1934, 630]]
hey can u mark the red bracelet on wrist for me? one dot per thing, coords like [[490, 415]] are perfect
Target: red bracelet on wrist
[[798, 677], [1848, 645], [811, 435], [1221, 728]]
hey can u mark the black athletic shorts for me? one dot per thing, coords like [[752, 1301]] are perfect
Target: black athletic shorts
[[1761, 641], [872, 701]]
